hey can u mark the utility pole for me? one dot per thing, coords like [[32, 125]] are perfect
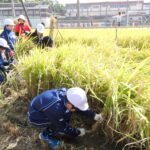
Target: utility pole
[[13, 8], [127, 12], [78, 12], [25, 12]]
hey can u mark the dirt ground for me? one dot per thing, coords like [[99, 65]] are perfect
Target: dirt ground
[[17, 134]]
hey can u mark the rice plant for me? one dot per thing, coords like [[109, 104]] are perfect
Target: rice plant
[[23, 47], [117, 76], [137, 39]]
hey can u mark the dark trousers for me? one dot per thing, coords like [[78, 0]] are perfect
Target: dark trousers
[[48, 128]]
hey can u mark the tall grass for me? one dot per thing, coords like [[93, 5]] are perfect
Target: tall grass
[[23, 46], [137, 39], [119, 79]]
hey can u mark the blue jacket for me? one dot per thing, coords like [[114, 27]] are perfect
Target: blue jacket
[[3, 63], [48, 109], [10, 37]]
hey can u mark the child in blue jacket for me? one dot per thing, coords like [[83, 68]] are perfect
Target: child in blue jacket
[[10, 37], [3, 63], [52, 110]]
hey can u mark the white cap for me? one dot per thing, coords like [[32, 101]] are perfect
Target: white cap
[[8, 22], [3, 43], [22, 17], [77, 97], [40, 28]]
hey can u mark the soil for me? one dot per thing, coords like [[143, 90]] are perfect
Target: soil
[[17, 134]]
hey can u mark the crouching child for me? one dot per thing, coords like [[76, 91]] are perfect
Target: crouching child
[[52, 111]]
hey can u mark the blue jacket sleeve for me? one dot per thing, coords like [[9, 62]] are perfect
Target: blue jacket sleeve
[[2, 68], [3, 63], [11, 45], [88, 113], [9, 39], [56, 117]]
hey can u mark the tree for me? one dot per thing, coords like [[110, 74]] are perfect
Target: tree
[[54, 6], [58, 8]]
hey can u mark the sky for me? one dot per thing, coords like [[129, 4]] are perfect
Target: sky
[[84, 1]]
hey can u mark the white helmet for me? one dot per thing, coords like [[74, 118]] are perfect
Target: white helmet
[[3, 43], [77, 97], [40, 28], [8, 22], [22, 17]]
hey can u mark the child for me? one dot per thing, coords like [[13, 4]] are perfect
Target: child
[[22, 28], [39, 39], [52, 111], [3, 63], [37, 35], [10, 37]]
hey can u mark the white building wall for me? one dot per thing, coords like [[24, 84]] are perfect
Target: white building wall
[[101, 9]]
